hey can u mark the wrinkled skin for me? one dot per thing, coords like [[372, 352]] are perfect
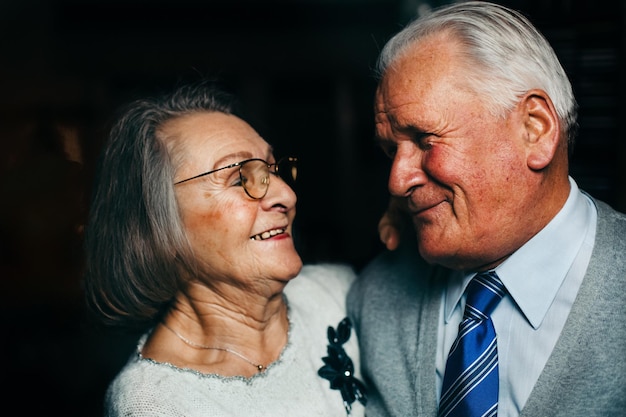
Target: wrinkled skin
[[476, 186]]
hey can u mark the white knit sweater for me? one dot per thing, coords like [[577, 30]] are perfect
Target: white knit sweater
[[290, 387]]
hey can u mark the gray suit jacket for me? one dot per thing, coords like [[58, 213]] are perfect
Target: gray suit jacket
[[395, 304]]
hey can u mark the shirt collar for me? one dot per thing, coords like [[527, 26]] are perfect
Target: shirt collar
[[533, 274]]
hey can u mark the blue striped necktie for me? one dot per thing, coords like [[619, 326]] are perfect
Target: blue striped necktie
[[470, 382]]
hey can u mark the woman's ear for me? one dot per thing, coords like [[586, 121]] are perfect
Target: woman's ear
[[542, 128]]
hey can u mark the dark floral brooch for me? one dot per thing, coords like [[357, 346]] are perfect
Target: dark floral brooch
[[338, 367]]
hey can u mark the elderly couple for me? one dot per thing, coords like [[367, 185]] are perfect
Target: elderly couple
[[508, 297]]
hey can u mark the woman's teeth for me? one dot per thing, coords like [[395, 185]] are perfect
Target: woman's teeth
[[268, 234]]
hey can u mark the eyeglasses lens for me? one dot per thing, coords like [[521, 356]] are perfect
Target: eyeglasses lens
[[255, 178], [255, 175]]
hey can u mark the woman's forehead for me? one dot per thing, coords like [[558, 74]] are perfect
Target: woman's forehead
[[213, 137], [209, 126]]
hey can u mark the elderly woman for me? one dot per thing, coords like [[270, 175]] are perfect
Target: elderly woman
[[190, 235]]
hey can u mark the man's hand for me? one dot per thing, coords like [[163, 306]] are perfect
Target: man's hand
[[394, 224]]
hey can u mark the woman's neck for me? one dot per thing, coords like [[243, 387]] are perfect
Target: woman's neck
[[214, 330]]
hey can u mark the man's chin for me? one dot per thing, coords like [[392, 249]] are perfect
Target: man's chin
[[434, 255]]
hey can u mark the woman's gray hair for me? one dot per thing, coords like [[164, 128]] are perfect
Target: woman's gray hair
[[507, 56], [136, 249]]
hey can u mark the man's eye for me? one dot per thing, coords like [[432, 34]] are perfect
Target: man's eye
[[423, 140]]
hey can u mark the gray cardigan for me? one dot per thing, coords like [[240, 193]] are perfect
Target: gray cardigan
[[396, 315]]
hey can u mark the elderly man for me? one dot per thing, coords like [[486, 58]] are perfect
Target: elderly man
[[511, 298]]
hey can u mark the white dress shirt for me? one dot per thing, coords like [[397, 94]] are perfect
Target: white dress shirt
[[542, 279]]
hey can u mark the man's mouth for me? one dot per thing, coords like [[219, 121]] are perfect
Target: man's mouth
[[267, 234], [419, 209]]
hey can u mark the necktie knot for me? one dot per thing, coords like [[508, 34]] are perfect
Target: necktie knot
[[484, 293]]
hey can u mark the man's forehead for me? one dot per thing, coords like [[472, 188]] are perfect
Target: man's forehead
[[391, 102], [400, 86], [420, 66]]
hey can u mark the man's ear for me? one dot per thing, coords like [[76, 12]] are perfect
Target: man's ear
[[542, 128]]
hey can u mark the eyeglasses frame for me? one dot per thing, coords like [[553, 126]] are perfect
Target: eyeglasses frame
[[240, 164]]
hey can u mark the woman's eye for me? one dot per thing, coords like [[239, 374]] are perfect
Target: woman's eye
[[236, 181], [232, 179]]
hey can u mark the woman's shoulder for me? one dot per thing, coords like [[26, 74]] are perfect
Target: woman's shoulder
[[328, 274], [320, 291], [322, 280], [133, 389], [146, 388]]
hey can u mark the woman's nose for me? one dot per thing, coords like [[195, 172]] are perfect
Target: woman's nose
[[279, 192]]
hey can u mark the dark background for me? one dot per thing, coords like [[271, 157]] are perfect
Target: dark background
[[302, 69]]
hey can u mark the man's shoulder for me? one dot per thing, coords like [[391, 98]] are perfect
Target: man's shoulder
[[397, 264], [611, 231], [393, 275], [608, 258]]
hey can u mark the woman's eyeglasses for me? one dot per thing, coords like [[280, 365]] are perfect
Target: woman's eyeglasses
[[255, 174]]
